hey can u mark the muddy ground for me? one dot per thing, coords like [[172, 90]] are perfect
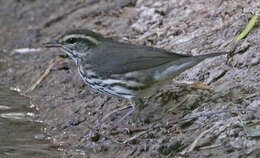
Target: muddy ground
[[221, 122]]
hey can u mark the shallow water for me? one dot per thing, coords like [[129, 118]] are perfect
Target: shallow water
[[20, 135]]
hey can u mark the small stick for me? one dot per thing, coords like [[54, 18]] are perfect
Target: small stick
[[45, 74], [248, 28], [179, 104], [193, 145], [134, 137], [210, 147], [246, 31], [115, 111]]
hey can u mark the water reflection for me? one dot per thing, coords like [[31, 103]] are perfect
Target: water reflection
[[20, 136]]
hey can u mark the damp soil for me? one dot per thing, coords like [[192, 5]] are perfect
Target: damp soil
[[178, 121]]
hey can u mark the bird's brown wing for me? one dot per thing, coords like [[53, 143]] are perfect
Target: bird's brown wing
[[119, 58]]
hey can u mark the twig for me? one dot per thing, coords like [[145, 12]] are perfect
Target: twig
[[232, 45], [25, 50], [248, 28], [134, 137], [115, 111], [210, 147], [193, 145], [179, 104], [45, 74]]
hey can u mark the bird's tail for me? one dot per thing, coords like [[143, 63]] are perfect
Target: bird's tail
[[199, 58], [176, 67], [205, 56]]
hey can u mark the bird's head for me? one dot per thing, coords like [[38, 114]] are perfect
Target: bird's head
[[77, 43]]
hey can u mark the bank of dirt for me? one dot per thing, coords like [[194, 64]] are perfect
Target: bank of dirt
[[173, 118]]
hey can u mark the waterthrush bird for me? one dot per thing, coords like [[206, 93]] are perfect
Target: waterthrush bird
[[121, 69]]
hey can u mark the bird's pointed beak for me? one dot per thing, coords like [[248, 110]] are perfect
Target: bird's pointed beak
[[52, 44]]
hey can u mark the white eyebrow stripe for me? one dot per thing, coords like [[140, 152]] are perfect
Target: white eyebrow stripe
[[81, 36]]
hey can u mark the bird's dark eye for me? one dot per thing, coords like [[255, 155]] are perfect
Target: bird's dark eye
[[71, 40]]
